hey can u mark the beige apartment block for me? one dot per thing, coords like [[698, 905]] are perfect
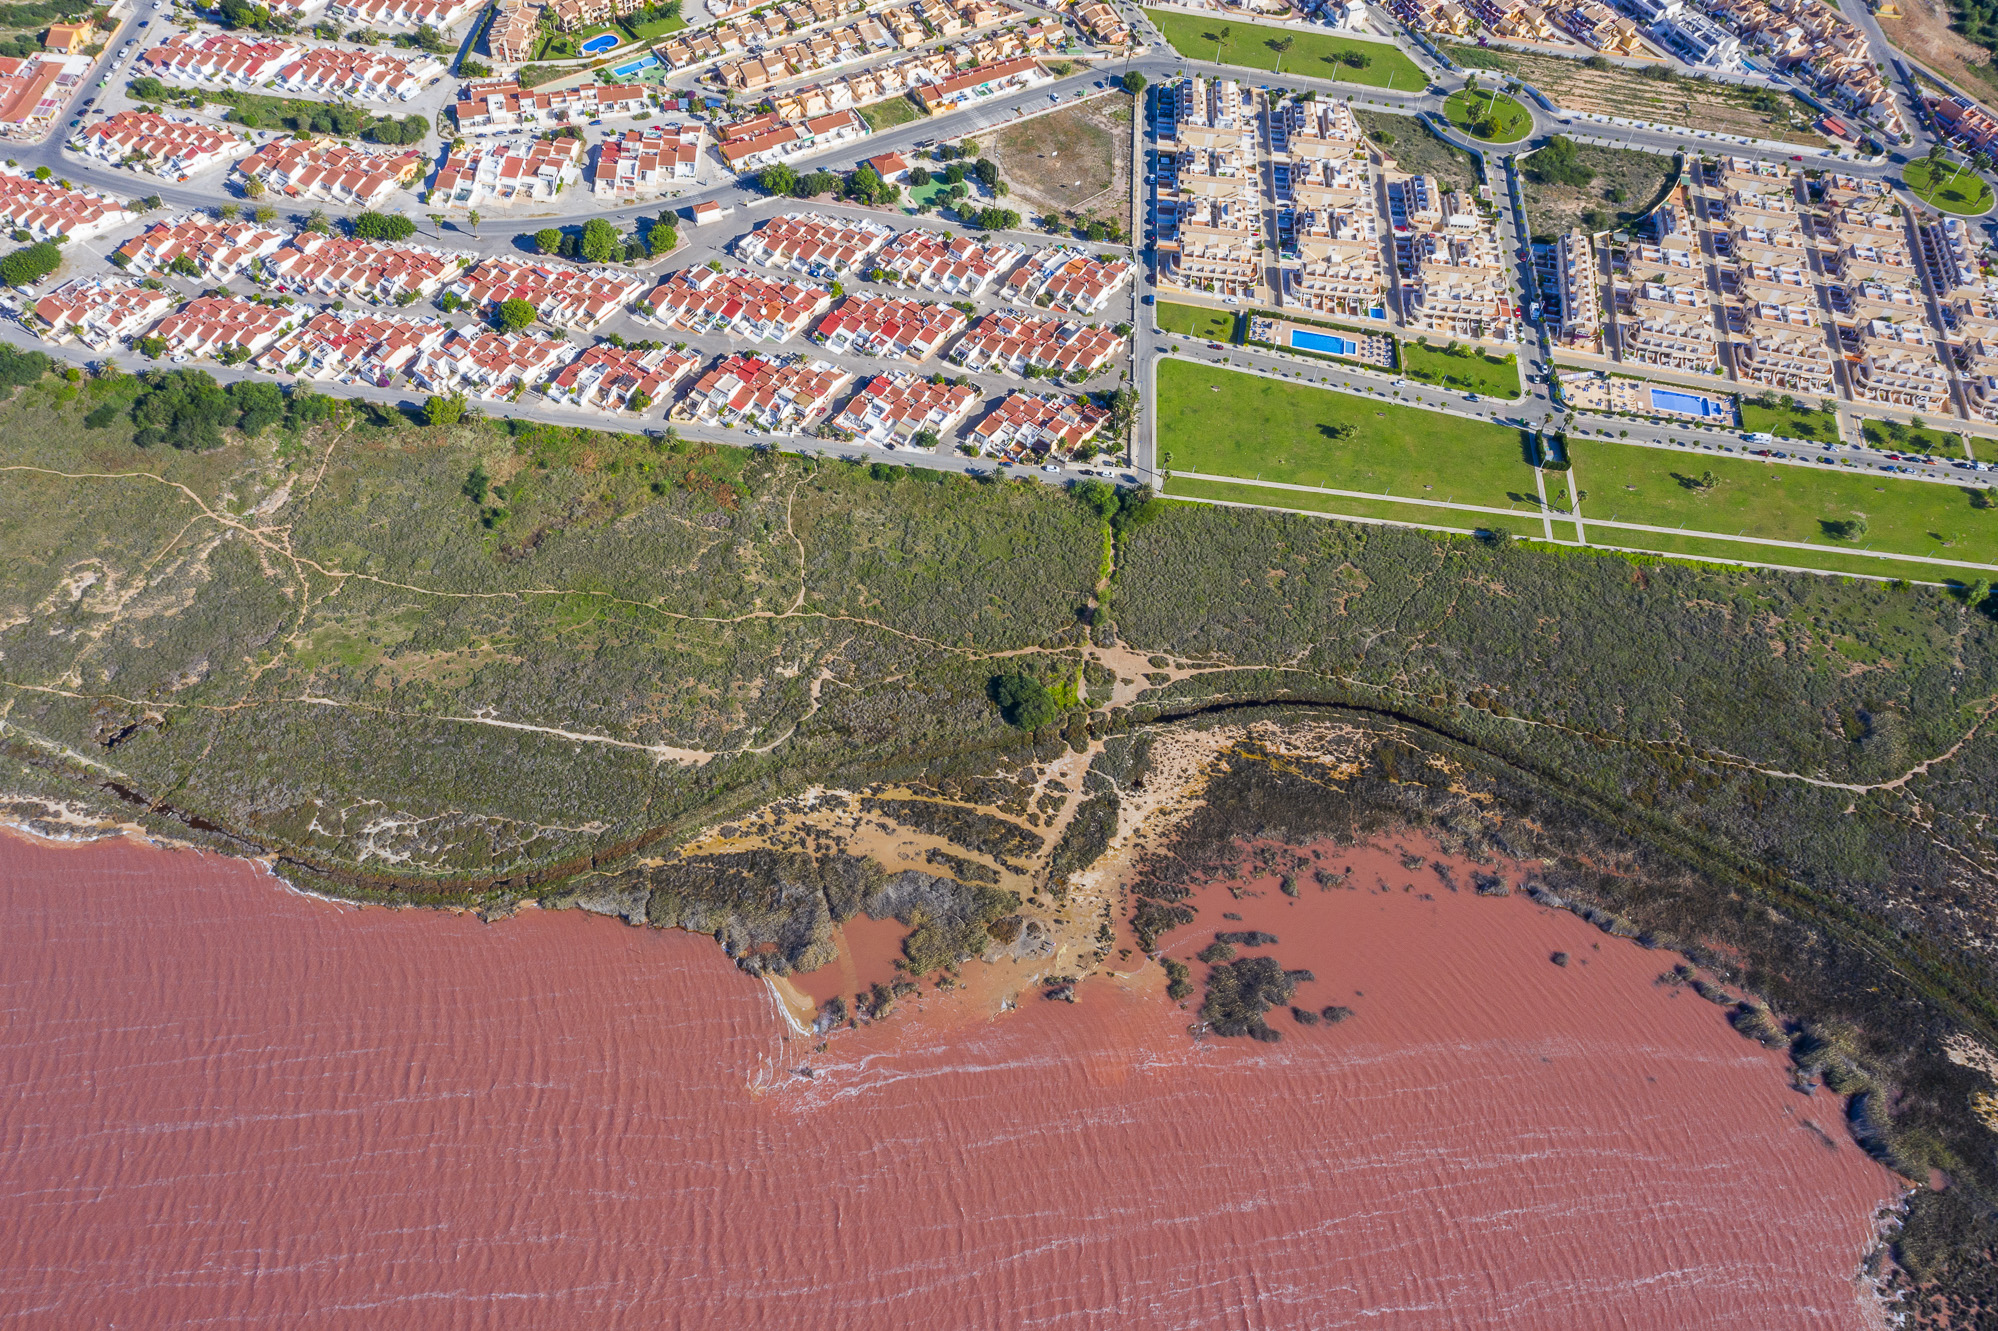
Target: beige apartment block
[[1669, 326], [1580, 283], [1212, 222], [1897, 366], [1783, 356]]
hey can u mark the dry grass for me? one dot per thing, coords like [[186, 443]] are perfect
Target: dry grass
[[1075, 160], [1923, 32], [1719, 107], [1415, 148]]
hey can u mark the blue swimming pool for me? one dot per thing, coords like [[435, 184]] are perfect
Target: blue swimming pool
[[600, 43], [1331, 346], [1690, 403], [630, 67]]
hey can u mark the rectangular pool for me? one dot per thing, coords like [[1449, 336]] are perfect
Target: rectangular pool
[[1691, 404], [1331, 346]]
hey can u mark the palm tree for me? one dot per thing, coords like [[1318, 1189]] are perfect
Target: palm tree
[[1217, 43], [1280, 45], [472, 216]]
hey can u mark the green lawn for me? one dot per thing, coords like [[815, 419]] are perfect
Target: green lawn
[[1822, 561], [1949, 189], [1310, 54], [1792, 422], [886, 115], [645, 32], [1196, 321], [1470, 368], [1779, 501], [1226, 423], [1489, 115], [1896, 437]]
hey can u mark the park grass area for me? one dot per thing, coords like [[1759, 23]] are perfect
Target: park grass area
[[1488, 115], [1344, 506], [1470, 368], [1660, 95], [1226, 423], [1198, 321], [890, 113], [1792, 422], [1228, 40], [1621, 186], [1418, 149], [1781, 501], [1952, 187], [1897, 437]]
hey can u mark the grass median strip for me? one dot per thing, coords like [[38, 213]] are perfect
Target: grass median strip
[[1689, 546], [1779, 501], [1226, 423], [1227, 40], [1342, 506]]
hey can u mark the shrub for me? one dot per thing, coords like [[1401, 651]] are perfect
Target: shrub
[[372, 225], [30, 264], [1025, 702]]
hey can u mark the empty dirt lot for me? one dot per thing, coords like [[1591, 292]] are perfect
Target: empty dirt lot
[[1720, 107], [1076, 161]]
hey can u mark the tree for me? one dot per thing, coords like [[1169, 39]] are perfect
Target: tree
[[515, 314], [1977, 593], [548, 240], [146, 88], [184, 409], [264, 214], [777, 179], [30, 264], [601, 242], [926, 439], [257, 405], [919, 176], [448, 411], [253, 188], [1134, 83], [1555, 164], [866, 185], [372, 225], [1280, 45], [1025, 702], [1844, 529], [1356, 60], [472, 219], [661, 237]]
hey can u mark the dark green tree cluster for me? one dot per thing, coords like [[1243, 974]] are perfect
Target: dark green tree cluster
[[187, 409], [412, 128], [862, 186], [30, 264], [372, 225], [254, 17], [1556, 164], [1025, 701], [22, 367]]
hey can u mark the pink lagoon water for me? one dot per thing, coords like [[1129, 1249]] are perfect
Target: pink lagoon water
[[232, 1106]]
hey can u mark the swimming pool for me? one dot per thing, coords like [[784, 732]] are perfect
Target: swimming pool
[[630, 67], [600, 43], [1334, 346], [1690, 404]]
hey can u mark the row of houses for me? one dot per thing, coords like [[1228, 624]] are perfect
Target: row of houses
[[230, 59], [887, 30], [442, 15], [1813, 40], [35, 88], [918, 70], [46, 209], [504, 104]]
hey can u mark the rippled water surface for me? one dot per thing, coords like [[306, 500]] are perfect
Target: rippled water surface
[[228, 1105]]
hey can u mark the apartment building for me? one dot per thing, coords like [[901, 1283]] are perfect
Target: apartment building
[[479, 362], [34, 89], [1514, 19], [1102, 23], [217, 250], [760, 142], [575, 15], [1445, 18], [863, 86], [219, 59], [1327, 218], [223, 325], [892, 409], [1013, 344], [46, 209], [1036, 424], [325, 265], [956, 266], [1452, 279], [102, 312], [1814, 41], [761, 309], [515, 32], [174, 149], [354, 346], [504, 104], [910, 330], [1067, 278], [1210, 198], [1598, 26], [1578, 277], [1897, 366], [814, 244], [326, 169], [961, 90], [561, 294], [1670, 326], [363, 74], [645, 161], [613, 378], [778, 394], [506, 172]]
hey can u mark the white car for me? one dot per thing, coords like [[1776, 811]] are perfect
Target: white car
[[1049, 466]]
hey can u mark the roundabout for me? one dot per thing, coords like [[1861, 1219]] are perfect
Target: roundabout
[[1488, 115]]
